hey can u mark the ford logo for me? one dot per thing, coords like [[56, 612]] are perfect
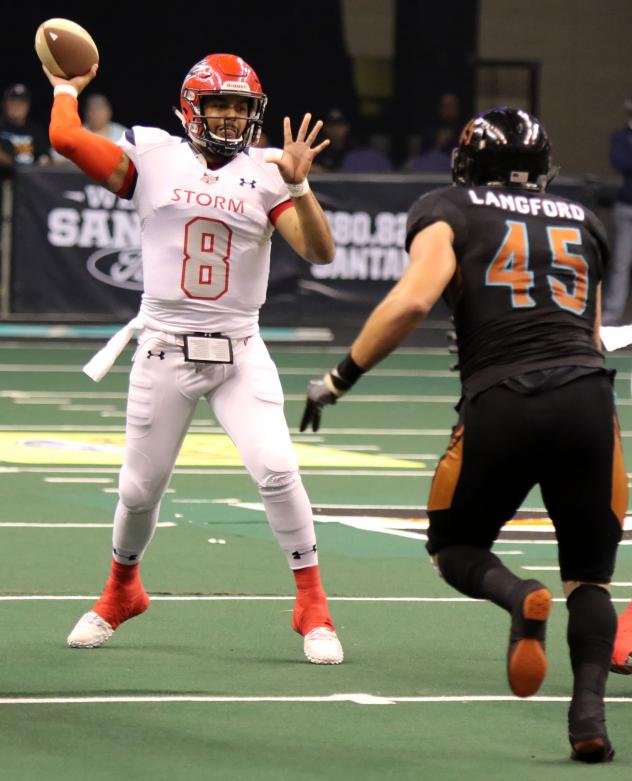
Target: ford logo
[[117, 267]]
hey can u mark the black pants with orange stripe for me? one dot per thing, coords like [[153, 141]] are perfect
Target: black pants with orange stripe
[[565, 439]]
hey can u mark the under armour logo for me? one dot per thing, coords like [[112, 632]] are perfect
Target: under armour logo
[[299, 554], [133, 557], [243, 182], [209, 178], [160, 355]]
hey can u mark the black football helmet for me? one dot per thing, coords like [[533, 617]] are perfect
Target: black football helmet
[[503, 146]]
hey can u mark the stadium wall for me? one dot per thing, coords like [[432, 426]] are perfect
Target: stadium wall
[[584, 50]]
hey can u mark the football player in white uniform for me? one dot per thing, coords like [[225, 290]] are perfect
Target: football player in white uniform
[[208, 205]]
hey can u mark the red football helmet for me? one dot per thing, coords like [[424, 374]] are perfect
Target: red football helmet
[[221, 74]]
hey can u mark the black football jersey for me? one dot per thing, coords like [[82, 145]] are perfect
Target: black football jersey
[[524, 294]]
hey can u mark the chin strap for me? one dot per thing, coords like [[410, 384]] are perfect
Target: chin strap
[[180, 116]]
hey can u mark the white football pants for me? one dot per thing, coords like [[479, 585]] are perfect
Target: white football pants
[[247, 400]]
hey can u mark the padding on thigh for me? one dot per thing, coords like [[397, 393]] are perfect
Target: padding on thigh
[[619, 493], [140, 400], [267, 386], [447, 474]]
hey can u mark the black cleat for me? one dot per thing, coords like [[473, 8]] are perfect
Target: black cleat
[[587, 731], [592, 751]]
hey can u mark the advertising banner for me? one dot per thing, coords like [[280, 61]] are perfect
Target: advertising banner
[[76, 249]]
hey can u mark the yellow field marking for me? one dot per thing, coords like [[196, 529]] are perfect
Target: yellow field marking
[[106, 449]]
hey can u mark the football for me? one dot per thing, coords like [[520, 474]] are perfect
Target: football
[[65, 48]]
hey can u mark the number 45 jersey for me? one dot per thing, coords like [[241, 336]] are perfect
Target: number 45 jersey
[[205, 235], [525, 291]]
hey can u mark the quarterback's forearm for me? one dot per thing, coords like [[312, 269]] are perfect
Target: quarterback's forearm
[[317, 239], [98, 157]]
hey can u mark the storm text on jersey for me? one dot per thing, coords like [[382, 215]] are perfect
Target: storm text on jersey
[[206, 199]]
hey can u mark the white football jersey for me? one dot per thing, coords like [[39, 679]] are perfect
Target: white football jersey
[[205, 235]]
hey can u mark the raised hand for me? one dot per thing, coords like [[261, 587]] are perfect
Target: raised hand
[[298, 153], [78, 82]]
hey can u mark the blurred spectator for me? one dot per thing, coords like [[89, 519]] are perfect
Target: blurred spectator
[[7, 156], [365, 161], [97, 117], [437, 159], [448, 118], [617, 282], [338, 130], [28, 140]]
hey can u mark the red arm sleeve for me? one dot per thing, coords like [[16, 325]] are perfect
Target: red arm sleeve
[[96, 156]]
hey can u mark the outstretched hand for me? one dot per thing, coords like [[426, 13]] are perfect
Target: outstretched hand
[[319, 394], [298, 153], [78, 82]]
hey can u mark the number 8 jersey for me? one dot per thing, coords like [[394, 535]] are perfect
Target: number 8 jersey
[[524, 294], [205, 234]]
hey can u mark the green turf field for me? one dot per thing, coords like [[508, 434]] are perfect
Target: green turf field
[[211, 682]]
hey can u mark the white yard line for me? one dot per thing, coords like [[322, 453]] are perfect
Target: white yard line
[[97, 428], [315, 371], [23, 394], [78, 479], [50, 400], [53, 368], [162, 525], [202, 428], [87, 408], [386, 473], [357, 698]]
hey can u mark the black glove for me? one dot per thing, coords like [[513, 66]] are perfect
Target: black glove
[[318, 394], [328, 389]]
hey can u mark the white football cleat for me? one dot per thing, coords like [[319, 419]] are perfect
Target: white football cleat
[[622, 669], [90, 631], [321, 646]]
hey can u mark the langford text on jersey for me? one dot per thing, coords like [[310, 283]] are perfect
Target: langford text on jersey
[[528, 205]]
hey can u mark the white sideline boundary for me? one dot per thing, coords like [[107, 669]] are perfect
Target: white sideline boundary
[[16, 525], [357, 698]]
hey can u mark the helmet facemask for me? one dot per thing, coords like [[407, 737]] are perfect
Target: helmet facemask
[[219, 143]]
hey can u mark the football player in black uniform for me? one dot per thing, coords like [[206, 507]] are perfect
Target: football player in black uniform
[[522, 272]]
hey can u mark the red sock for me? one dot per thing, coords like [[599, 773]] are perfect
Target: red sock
[[310, 609], [123, 596], [623, 640]]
